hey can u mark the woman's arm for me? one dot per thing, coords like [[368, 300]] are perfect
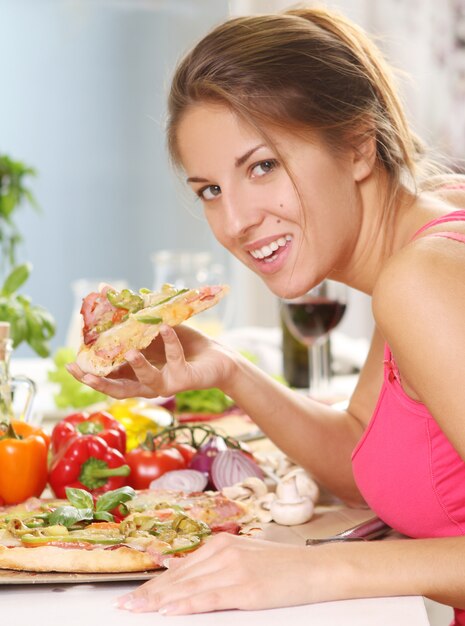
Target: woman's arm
[[234, 572], [316, 436]]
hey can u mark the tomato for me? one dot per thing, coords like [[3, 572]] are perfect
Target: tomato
[[185, 449], [146, 465]]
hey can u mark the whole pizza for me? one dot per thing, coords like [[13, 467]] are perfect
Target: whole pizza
[[121, 531]]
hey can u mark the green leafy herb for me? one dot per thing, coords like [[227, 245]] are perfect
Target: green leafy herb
[[110, 499], [211, 400], [81, 506], [28, 322], [72, 393], [13, 193], [69, 516], [79, 498]]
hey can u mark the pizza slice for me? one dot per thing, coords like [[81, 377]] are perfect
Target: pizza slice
[[117, 321], [78, 536]]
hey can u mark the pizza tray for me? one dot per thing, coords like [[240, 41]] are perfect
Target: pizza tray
[[13, 577]]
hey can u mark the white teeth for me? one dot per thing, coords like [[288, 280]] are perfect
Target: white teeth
[[267, 251]]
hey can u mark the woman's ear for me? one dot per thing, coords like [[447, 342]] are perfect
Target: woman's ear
[[364, 156]]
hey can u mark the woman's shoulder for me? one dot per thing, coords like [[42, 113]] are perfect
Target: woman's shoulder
[[425, 275]]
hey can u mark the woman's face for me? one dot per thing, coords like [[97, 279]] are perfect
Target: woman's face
[[291, 239]]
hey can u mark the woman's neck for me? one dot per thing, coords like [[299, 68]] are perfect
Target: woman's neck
[[384, 230]]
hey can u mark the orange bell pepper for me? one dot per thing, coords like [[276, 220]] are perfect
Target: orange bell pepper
[[23, 461]]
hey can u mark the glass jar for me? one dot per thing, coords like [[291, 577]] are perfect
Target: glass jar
[[16, 393], [6, 347]]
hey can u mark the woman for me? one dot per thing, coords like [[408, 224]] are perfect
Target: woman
[[289, 130]]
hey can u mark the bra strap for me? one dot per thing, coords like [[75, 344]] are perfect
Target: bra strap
[[455, 216]]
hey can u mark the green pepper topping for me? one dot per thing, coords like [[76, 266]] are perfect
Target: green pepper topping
[[149, 320], [125, 299], [183, 544]]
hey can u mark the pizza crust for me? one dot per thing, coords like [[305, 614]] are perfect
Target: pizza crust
[[96, 561]]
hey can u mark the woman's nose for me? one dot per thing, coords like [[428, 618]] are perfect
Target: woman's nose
[[242, 212]]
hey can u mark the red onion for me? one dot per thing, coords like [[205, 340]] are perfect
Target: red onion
[[203, 459], [232, 466], [187, 480]]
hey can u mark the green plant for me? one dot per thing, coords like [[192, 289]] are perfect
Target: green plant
[[29, 322]]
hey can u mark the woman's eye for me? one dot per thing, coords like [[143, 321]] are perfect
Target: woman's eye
[[264, 167], [209, 193]]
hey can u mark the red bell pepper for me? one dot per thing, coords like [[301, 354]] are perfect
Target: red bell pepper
[[100, 423], [87, 462]]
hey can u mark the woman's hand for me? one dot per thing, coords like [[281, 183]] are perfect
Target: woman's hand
[[166, 366], [232, 572]]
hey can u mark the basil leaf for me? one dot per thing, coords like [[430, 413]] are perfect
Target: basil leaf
[[79, 498], [69, 515], [104, 516], [110, 499], [17, 277]]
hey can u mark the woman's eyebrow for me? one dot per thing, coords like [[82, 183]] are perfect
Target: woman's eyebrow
[[238, 162], [242, 159], [196, 179]]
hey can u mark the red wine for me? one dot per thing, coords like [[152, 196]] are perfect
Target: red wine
[[310, 317]]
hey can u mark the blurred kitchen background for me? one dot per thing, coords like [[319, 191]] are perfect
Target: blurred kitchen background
[[83, 86]]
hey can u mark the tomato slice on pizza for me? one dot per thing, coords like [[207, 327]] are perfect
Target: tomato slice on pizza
[[117, 321]]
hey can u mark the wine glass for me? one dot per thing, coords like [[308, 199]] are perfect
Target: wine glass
[[310, 318]]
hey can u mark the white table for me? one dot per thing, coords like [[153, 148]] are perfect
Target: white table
[[93, 605]]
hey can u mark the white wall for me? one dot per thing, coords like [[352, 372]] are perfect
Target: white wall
[[83, 88]]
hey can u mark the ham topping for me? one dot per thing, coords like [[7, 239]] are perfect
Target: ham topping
[[98, 314]]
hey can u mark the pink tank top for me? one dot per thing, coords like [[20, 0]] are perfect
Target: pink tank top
[[405, 467]]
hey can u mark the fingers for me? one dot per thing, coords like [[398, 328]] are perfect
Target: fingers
[[149, 380], [173, 349], [122, 388], [145, 372], [208, 592], [194, 584]]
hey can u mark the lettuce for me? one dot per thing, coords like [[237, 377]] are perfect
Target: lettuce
[[71, 392], [203, 401]]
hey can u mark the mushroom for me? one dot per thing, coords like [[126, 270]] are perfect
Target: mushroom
[[289, 508], [253, 493], [305, 484], [262, 508], [251, 487]]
